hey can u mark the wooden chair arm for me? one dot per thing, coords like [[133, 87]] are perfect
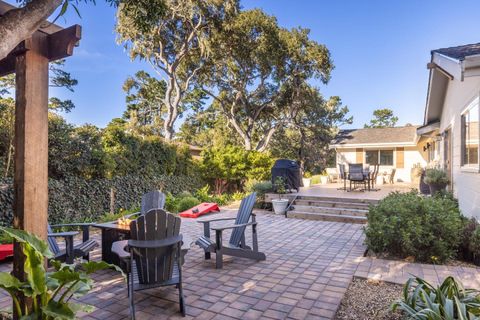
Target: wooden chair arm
[[235, 226], [213, 220], [85, 226], [66, 234]]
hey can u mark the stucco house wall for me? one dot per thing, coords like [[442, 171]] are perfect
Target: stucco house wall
[[412, 156], [466, 183]]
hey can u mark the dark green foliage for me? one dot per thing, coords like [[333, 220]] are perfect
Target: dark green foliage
[[422, 301], [228, 167], [187, 203], [407, 224], [77, 199]]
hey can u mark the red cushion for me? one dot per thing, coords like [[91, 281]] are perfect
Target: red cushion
[[202, 208], [6, 250]]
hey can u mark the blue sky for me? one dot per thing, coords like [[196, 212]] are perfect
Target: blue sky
[[380, 50]]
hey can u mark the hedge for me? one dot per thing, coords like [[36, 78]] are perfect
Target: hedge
[[75, 199]]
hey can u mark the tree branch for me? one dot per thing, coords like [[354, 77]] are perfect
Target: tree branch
[[19, 24]]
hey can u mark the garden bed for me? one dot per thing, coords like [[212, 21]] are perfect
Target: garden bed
[[369, 299]]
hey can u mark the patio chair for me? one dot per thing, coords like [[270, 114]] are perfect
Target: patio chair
[[71, 251], [332, 174], [356, 175], [343, 176], [155, 254], [236, 246], [150, 200], [391, 176]]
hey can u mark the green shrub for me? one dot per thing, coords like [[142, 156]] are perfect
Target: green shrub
[[423, 301], [316, 179], [260, 187], [407, 224], [187, 203], [203, 194], [237, 196], [436, 177], [474, 243]]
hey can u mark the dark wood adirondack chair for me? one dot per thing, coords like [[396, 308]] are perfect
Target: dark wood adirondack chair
[[150, 200], [236, 246], [71, 251], [155, 254]]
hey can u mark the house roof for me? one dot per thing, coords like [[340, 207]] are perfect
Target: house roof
[[460, 52], [396, 136]]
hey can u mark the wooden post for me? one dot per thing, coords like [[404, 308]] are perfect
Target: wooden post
[[31, 142]]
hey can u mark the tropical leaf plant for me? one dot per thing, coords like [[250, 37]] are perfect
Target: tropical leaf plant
[[449, 301], [51, 292]]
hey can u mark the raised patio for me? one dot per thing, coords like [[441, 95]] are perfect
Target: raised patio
[[332, 190]]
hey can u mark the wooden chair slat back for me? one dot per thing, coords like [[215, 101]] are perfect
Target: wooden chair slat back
[[155, 265], [52, 242], [152, 200], [243, 216]]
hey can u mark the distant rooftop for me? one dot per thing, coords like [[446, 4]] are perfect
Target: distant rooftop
[[406, 135], [460, 52]]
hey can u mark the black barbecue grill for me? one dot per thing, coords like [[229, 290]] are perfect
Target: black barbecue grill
[[289, 170]]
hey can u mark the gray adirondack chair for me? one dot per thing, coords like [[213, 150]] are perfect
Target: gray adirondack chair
[[155, 254], [150, 200], [236, 246], [71, 251]]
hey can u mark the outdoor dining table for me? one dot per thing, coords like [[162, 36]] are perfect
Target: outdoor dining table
[[112, 232], [367, 175]]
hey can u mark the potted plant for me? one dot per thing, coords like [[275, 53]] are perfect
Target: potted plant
[[436, 179], [324, 177], [307, 179], [279, 205]]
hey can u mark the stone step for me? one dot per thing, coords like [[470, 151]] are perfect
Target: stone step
[[326, 217], [332, 204], [327, 210], [337, 199]]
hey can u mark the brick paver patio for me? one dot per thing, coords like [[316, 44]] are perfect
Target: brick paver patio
[[308, 269], [400, 271]]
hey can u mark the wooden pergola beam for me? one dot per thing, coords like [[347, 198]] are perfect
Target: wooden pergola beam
[[59, 45]]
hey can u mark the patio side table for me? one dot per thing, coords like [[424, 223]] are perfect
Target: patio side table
[[112, 232]]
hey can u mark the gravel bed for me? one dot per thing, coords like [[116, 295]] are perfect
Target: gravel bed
[[369, 299]]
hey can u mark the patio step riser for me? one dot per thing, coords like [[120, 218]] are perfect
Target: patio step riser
[[326, 217], [332, 204], [338, 200], [338, 211]]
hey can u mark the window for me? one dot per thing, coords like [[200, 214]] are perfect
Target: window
[[382, 157], [371, 157], [470, 139], [386, 157]]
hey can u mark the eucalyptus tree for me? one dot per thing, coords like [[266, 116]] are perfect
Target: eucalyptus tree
[[172, 37], [254, 64]]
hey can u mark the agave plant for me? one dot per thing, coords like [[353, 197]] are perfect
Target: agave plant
[[51, 292], [449, 301]]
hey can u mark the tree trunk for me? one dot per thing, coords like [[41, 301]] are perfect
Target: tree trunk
[[18, 24]]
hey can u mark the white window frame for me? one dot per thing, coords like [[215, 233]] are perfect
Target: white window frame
[[378, 154], [469, 167]]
